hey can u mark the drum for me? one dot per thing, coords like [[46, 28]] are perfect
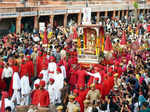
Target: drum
[[43, 109], [22, 108]]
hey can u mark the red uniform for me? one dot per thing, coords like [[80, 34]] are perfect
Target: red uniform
[[39, 61], [99, 87], [30, 68], [73, 78], [111, 82], [43, 98], [15, 68], [23, 67], [44, 62], [81, 77], [35, 97], [82, 94], [2, 82], [106, 87], [80, 101]]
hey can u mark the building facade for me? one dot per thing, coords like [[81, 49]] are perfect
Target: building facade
[[32, 12]]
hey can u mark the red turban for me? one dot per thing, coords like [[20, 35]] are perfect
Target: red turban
[[51, 80], [81, 85], [52, 58], [42, 83], [40, 75], [110, 70], [29, 57], [40, 53], [75, 91], [23, 61], [44, 55], [116, 63], [97, 79], [58, 69], [44, 66], [36, 85]]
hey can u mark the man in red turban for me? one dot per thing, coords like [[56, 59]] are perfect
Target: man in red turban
[[34, 95], [43, 99], [45, 74], [25, 88], [59, 83], [16, 86], [23, 66], [30, 67], [52, 66], [52, 90]]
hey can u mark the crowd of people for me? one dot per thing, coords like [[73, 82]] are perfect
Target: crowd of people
[[34, 76]]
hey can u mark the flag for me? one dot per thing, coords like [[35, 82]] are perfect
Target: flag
[[123, 40], [108, 44], [45, 39], [102, 38], [50, 35]]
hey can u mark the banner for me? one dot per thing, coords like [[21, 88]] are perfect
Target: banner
[[86, 16], [8, 15], [42, 27], [32, 13]]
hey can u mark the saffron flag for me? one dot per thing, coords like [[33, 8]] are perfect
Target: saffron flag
[[45, 39], [102, 38]]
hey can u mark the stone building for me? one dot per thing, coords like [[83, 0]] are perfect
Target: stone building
[[34, 11]]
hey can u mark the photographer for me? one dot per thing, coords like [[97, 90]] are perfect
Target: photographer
[[104, 105], [124, 104], [113, 103]]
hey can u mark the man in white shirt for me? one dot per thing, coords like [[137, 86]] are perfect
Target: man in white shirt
[[63, 69], [7, 74], [25, 89], [52, 90], [16, 87], [52, 67], [45, 75], [59, 83]]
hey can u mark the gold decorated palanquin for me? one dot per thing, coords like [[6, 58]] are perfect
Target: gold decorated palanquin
[[90, 44]]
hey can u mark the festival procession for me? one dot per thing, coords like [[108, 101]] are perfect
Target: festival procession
[[102, 67]]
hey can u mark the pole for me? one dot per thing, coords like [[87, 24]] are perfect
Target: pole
[[86, 3]]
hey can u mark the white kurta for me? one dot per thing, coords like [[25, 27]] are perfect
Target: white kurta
[[45, 75], [52, 68], [8, 103], [16, 88], [63, 69], [96, 75], [7, 72], [52, 93], [59, 83], [25, 90]]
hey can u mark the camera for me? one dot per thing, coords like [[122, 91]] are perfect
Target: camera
[[125, 103]]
